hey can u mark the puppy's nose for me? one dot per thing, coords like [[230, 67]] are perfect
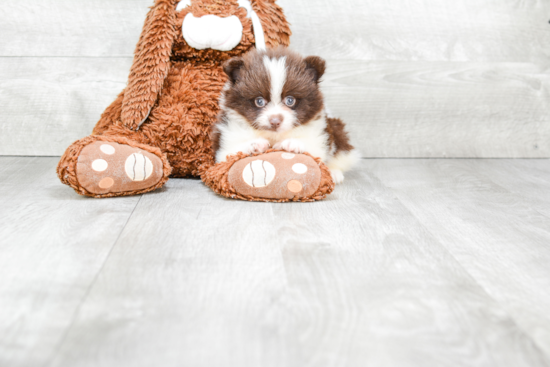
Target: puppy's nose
[[276, 121]]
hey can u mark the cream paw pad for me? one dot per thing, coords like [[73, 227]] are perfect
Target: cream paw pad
[[276, 175], [107, 167]]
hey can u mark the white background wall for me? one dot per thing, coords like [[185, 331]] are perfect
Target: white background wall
[[412, 78]]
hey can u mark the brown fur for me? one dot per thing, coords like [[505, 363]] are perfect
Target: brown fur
[[247, 75], [317, 66], [302, 82], [338, 136], [177, 87]]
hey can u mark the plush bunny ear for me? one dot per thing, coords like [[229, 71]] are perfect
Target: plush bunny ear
[[276, 28], [151, 63]]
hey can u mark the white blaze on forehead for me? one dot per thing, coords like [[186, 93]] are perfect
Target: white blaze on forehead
[[276, 68]]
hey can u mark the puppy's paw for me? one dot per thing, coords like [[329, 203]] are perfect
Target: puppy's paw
[[337, 176], [257, 146], [291, 145]]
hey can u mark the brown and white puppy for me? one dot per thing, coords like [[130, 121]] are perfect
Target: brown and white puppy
[[273, 99]]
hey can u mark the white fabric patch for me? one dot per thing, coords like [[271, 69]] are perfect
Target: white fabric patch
[[183, 4], [211, 31], [138, 167], [256, 24], [287, 155], [247, 5], [100, 165], [259, 173], [299, 168], [107, 149]]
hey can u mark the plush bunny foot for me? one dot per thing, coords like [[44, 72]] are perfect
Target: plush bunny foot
[[274, 176], [106, 167]]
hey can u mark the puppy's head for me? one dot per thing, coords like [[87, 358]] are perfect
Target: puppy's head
[[274, 90]]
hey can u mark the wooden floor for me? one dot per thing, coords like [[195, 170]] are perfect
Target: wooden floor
[[409, 263]]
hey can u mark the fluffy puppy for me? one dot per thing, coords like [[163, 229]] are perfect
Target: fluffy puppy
[[272, 99]]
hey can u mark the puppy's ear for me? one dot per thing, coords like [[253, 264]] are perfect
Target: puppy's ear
[[233, 68], [316, 65]]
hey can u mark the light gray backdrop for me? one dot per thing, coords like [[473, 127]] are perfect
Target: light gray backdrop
[[412, 78]]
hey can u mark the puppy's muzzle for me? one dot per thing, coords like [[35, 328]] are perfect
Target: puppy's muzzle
[[211, 31], [275, 121]]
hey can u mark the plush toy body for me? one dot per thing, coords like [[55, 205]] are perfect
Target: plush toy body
[[179, 124], [159, 126]]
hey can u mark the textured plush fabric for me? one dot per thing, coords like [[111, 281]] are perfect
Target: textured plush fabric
[[276, 176], [151, 63], [219, 178], [67, 166], [171, 100], [180, 122], [108, 167]]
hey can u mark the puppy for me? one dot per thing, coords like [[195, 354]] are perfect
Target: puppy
[[272, 99]]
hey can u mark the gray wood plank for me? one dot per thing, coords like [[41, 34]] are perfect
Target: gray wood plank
[[441, 109], [462, 30], [52, 245], [67, 28], [491, 225], [393, 109], [354, 280], [51, 102], [528, 179]]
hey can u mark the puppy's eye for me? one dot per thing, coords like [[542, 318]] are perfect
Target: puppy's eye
[[260, 102], [290, 101]]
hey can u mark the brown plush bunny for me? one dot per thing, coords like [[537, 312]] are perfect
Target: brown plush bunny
[[159, 126]]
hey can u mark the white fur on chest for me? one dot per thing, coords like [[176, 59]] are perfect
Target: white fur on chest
[[237, 135]]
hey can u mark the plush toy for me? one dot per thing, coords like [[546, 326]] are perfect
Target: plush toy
[[159, 126]]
